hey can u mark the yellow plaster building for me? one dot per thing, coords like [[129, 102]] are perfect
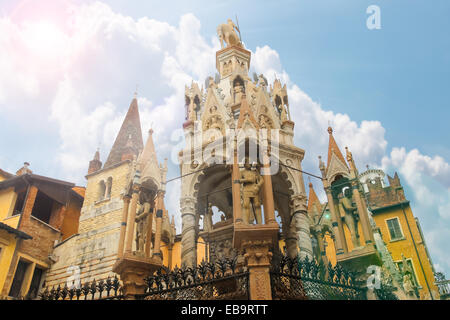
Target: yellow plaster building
[[35, 213]]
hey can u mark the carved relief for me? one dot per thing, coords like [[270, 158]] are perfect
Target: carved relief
[[265, 122], [222, 249]]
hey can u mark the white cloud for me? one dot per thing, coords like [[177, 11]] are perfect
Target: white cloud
[[105, 54]]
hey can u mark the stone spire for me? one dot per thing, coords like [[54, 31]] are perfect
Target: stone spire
[[313, 200], [129, 137], [333, 148], [95, 164], [148, 162]]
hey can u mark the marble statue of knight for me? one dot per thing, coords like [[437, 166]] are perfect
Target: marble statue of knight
[[251, 182]]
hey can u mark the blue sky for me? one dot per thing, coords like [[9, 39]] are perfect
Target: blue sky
[[65, 88]]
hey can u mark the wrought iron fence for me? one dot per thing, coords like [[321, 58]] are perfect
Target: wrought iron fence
[[207, 281], [302, 280], [109, 289]]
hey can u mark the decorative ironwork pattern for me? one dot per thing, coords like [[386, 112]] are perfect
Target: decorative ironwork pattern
[[109, 289], [301, 280], [207, 281]]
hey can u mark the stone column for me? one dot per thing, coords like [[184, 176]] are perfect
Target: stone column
[[131, 219], [157, 249], [365, 224], [292, 238], [258, 257], [236, 189], [337, 228], [123, 225], [269, 208], [148, 237], [169, 263], [188, 249], [369, 222], [301, 221], [322, 249]]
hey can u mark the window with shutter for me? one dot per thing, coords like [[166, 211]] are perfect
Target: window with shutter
[[394, 229]]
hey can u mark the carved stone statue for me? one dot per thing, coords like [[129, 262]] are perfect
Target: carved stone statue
[[207, 222], [251, 182], [145, 197], [141, 226], [347, 213], [408, 285], [227, 33]]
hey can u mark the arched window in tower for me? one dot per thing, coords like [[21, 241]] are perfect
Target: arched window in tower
[[187, 105], [101, 190], [278, 103], [108, 188], [238, 89], [197, 106], [286, 106]]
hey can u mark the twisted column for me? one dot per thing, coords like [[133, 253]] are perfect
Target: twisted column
[[188, 249], [301, 222], [291, 240]]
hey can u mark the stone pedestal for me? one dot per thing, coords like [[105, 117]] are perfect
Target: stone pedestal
[[252, 232], [256, 243], [132, 270], [359, 259], [257, 257]]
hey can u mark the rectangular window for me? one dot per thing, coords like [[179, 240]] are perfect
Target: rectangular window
[[394, 229], [19, 276], [35, 283]]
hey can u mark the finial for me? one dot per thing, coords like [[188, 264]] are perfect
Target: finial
[[330, 130], [367, 166], [97, 154], [150, 131], [136, 92], [310, 184]]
